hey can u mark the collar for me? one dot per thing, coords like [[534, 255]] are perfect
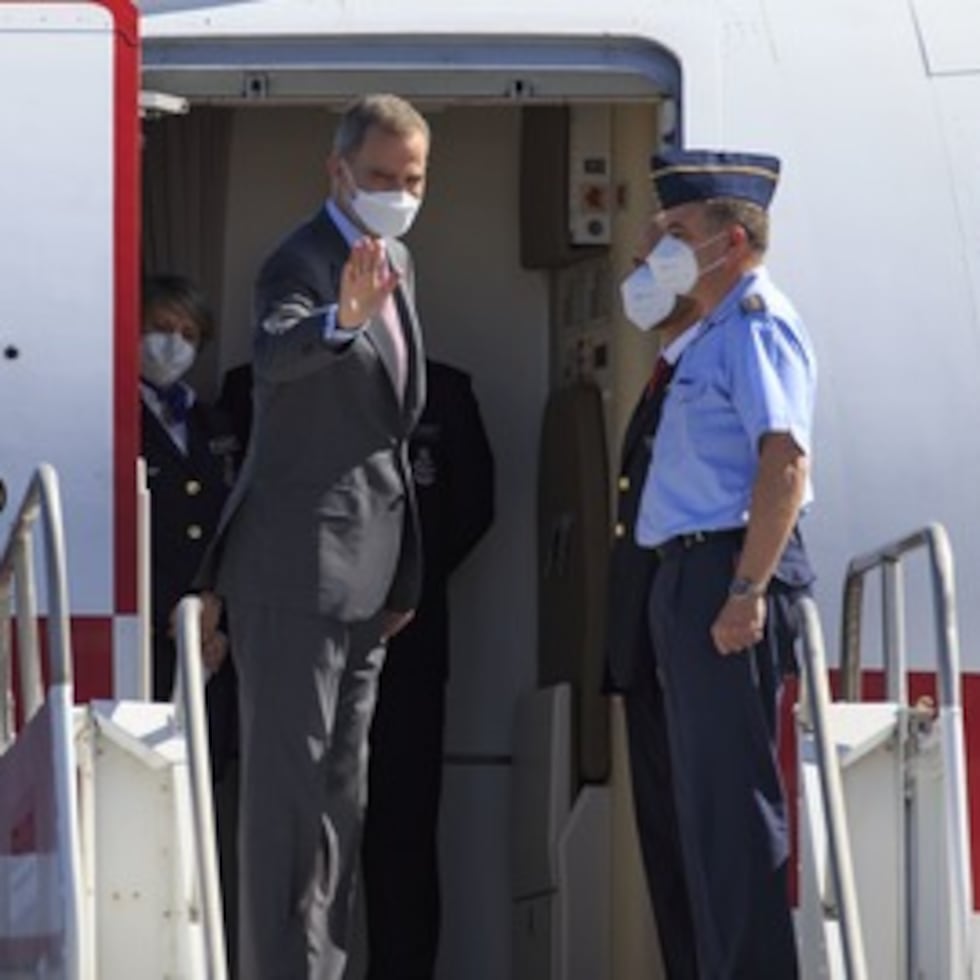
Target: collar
[[672, 352], [171, 404], [345, 226]]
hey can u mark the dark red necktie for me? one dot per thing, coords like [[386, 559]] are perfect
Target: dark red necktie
[[663, 370]]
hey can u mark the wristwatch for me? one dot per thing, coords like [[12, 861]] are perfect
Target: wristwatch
[[745, 588]]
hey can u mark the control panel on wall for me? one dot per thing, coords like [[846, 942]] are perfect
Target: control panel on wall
[[581, 300], [590, 175]]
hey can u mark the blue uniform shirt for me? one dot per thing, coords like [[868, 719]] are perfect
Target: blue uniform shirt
[[749, 371]]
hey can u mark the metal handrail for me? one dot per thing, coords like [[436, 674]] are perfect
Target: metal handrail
[[144, 589], [189, 700], [42, 501], [936, 541], [817, 695]]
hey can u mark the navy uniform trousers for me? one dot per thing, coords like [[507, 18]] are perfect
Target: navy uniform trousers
[[453, 468], [631, 672], [721, 715]]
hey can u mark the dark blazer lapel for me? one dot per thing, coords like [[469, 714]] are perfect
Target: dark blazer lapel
[[156, 433]]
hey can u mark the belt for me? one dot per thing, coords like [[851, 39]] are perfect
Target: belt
[[676, 546]]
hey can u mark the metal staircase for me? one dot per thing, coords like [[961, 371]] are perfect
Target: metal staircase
[[884, 841], [107, 855]]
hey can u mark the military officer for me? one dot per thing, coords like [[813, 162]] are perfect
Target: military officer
[[728, 480]]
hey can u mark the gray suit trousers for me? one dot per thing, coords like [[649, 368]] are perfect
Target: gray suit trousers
[[307, 687]]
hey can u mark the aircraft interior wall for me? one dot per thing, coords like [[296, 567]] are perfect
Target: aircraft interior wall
[[484, 313]]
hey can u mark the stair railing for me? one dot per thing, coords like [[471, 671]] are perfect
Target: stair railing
[[816, 708], [934, 539], [18, 600]]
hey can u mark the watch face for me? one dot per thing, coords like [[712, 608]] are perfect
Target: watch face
[[743, 587]]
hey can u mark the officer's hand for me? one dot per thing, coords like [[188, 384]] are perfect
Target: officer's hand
[[211, 608], [393, 622], [740, 623], [214, 650], [366, 282]]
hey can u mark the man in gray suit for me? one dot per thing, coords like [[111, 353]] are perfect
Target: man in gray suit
[[317, 556]]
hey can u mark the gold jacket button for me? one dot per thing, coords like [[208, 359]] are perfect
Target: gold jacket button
[[624, 483], [194, 531], [193, 488], [619, 530]]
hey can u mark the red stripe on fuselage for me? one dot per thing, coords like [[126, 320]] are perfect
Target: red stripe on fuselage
[[126, 292]]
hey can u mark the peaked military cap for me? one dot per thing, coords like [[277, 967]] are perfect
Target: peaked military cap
[[682, 176]]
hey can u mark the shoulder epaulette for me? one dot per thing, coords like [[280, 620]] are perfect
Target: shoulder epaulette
[[753, 303]]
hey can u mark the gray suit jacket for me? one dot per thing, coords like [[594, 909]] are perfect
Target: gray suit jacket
[[323, 517]]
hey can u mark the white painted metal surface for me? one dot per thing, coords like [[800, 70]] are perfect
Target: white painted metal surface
[[56, 339], [561, 854], [149, 893]]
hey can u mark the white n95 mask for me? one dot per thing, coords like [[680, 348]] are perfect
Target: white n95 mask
[[165, 357], [674, 264], [646, 299], [670, 270], [387, 214]]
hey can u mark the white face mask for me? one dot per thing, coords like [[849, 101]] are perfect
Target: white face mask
[[675, 263], [646, 299], [387, 214], [165, 357], [670, 270]]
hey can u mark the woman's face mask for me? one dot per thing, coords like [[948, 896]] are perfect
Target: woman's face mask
[[165, 357]]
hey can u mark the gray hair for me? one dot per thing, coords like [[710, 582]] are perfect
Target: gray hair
[[388, 112], [724, 211]]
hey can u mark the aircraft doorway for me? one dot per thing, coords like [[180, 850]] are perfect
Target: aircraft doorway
[[484, 313]]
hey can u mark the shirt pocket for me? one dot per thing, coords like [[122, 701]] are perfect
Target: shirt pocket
[[705, 413], [686, 390]]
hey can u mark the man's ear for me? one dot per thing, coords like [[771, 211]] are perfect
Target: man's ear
[[738, 241]]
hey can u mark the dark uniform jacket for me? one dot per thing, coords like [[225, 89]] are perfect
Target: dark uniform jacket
[[631, 567], [186, 497], [453, 471]]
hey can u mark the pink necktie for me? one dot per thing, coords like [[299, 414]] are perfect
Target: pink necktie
[[393, 326]]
